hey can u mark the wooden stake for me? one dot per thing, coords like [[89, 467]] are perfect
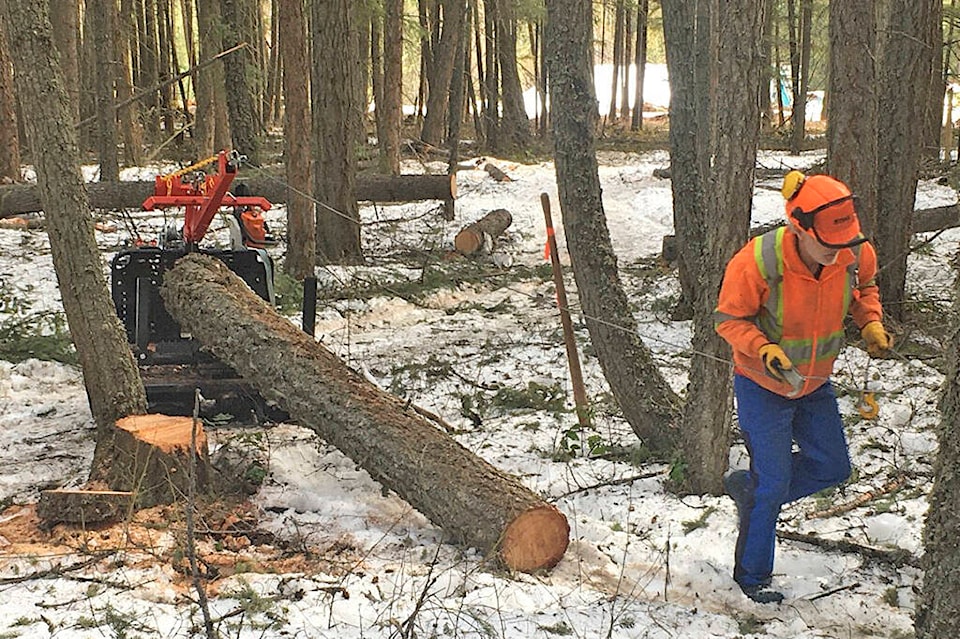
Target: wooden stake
[[573, 358]]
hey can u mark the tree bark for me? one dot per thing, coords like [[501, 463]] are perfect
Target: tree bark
[[26, 198], [483, 233], [9, 137], [392, 87], [105, 80], [301, 220], [240, 69], [438, 97], [336, 131], [83, 507], [708, 411], [212, 128], [906, 54], [65, 18], [644, 396], [471, 500], [938, 607], [852, 134], [110, 373]]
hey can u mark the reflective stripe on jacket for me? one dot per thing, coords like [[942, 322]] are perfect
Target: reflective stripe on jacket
[[769, 295]]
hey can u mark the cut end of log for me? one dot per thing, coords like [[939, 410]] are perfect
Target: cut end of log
[[468, 242], [536, 540], [166, 433]]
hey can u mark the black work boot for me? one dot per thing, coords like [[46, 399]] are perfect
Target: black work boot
[[762, 594]]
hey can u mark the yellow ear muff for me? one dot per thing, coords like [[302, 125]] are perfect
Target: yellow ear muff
[[792, 182]]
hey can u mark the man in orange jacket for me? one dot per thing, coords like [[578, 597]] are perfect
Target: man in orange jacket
[[781, 307]]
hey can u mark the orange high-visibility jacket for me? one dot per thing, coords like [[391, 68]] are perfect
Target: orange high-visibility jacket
[[769, 295]]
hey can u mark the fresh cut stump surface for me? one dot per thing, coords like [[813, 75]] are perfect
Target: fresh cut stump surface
[[476, 504]]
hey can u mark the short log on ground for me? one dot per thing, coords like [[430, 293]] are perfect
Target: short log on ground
[[471, 500], [16, 199], [78, 506], [152, 458], [496, 173], [483, 233]]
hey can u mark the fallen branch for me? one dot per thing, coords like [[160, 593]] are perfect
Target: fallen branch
[[898, 557], [891, 486]]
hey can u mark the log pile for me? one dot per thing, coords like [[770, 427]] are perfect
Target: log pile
[[474, 502]]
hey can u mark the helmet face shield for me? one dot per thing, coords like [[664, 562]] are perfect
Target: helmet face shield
[[826, 209]]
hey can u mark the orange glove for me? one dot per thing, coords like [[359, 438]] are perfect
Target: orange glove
[[878, 340], [775, 360]]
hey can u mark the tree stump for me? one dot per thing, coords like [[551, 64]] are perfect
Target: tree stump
[[77, 506], [482, 234], [152, 458], [474, 502]]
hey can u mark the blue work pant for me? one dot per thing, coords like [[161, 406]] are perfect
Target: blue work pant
[[771, 424]]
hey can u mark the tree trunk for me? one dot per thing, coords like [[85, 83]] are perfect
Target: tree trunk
[[110, 374], [444, 55], [685, 32], [25, 198], [636, 122], [906, 54], [616, 61], [9, 137], [131, 131], [482, 234], [853, 104], [240, 70], [65, 17], [471, 500], [938, 607], [150, 64], [301, 221], [647, 402], [392, 86], [801, 77], [514, 124], [707, 413], [105, 58], [212, 128], [336, 127]]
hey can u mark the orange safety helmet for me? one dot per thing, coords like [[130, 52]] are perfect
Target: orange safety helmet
[[824, 207]]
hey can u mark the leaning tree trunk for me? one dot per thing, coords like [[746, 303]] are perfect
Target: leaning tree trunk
[[471, 500], [110, 373], [647, 401]]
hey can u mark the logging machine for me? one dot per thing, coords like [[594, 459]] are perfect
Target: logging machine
[[172, 364]]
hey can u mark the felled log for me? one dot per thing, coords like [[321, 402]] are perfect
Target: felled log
[[24, 198], [152, 458], [78, 506], [496, 173], [474, 502], [483, 233]]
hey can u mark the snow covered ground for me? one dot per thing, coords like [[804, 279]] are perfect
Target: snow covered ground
[[328, 554]]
